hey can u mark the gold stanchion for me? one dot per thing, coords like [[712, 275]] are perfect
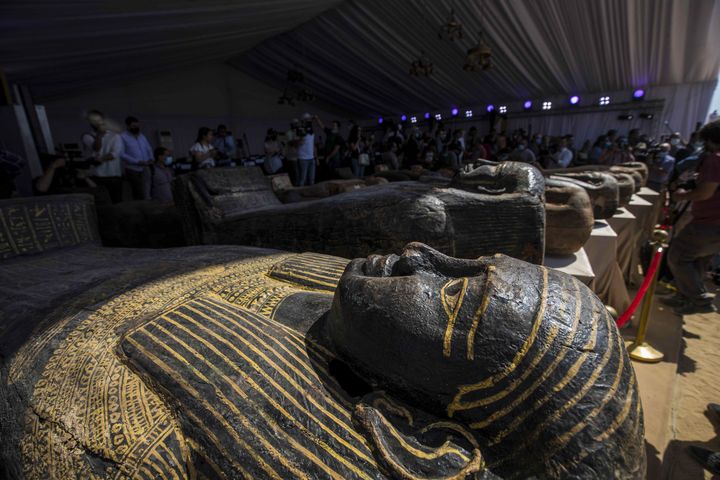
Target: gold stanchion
[[640, 350]]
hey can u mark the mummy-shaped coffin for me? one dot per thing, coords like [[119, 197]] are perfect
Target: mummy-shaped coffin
[[494, 209], [236, 362]]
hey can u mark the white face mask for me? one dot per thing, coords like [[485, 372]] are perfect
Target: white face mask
[[674, 141], [169, 160]]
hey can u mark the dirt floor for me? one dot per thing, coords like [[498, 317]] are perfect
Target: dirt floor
[[675, 392]]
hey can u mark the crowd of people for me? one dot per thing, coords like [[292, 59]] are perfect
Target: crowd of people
[[311, 150]]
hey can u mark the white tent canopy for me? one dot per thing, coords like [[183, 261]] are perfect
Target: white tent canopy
[[60, 48], [356, 54]]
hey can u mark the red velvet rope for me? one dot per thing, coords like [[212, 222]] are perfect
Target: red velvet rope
[[625, 317]]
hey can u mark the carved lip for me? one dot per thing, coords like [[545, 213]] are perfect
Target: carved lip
[[379, 265]]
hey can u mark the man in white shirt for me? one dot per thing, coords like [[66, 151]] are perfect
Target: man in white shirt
[[105, 148], [563, 156], [306, 150], [137, 156]]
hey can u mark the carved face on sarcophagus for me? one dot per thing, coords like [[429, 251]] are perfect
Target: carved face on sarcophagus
[[569, 214], [538, 375], [235, 362], [602, 189], [495, 209]]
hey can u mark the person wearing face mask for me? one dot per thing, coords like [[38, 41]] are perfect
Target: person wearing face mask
[[521, 153], [661, 167], [162, 175], [676, 143], [137, 157]]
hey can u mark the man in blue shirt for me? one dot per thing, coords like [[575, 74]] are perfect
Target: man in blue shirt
[[137, 156], [661, 167], [224, 143]]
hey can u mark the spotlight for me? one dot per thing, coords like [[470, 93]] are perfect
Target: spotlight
[[438, 117], [490, 108], [413, 119], [527, 105], [647, 116], [455, 112], [639, 94], [547, 105], [626, 116], [403, 118], [380, 121], [427, 115], [574, 100], [468, 113], [604, 101], [503, 109]]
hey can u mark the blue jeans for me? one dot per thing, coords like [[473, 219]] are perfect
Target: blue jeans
[[357, 169], [306, 167]]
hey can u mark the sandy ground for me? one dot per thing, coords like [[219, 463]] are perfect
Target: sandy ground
[[675, 392], [697, 385]]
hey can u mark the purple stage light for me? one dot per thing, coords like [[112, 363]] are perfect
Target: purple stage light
[[380, 121], [454, 112], [427, 115], [527, 105], [574, 100], [403, 118], [638, 94], [490, 108]]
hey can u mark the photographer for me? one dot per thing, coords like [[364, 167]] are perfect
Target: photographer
[[306, 149], [661, 165], [62, 176], [692, 249]]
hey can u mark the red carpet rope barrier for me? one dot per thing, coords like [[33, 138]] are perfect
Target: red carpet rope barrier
[[625, 317]]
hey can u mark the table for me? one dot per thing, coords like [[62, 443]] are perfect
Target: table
[[601, 249], [577, 265], [643, 211], [624, 224]]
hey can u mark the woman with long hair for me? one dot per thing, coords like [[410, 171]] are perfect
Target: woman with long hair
[[203, 152]]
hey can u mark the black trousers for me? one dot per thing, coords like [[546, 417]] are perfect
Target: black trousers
[[114, 186]]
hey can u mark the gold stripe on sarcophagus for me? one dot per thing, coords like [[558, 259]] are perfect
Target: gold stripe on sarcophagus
[[451, 302], [221, 338], [309, 270], [305, 393], [458, 403], [531, 369], [302, 367], [584, 360], [85, 392], [486, 296]]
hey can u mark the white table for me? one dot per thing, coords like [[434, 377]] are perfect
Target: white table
[[601, 250], [576, 265]]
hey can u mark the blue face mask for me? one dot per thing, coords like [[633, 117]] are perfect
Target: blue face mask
[[608, 144], [168, 161], [521, 147]]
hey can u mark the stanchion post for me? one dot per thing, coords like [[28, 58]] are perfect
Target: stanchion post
[[640, 350]]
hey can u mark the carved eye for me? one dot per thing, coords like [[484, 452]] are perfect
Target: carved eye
[[452, 293]]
